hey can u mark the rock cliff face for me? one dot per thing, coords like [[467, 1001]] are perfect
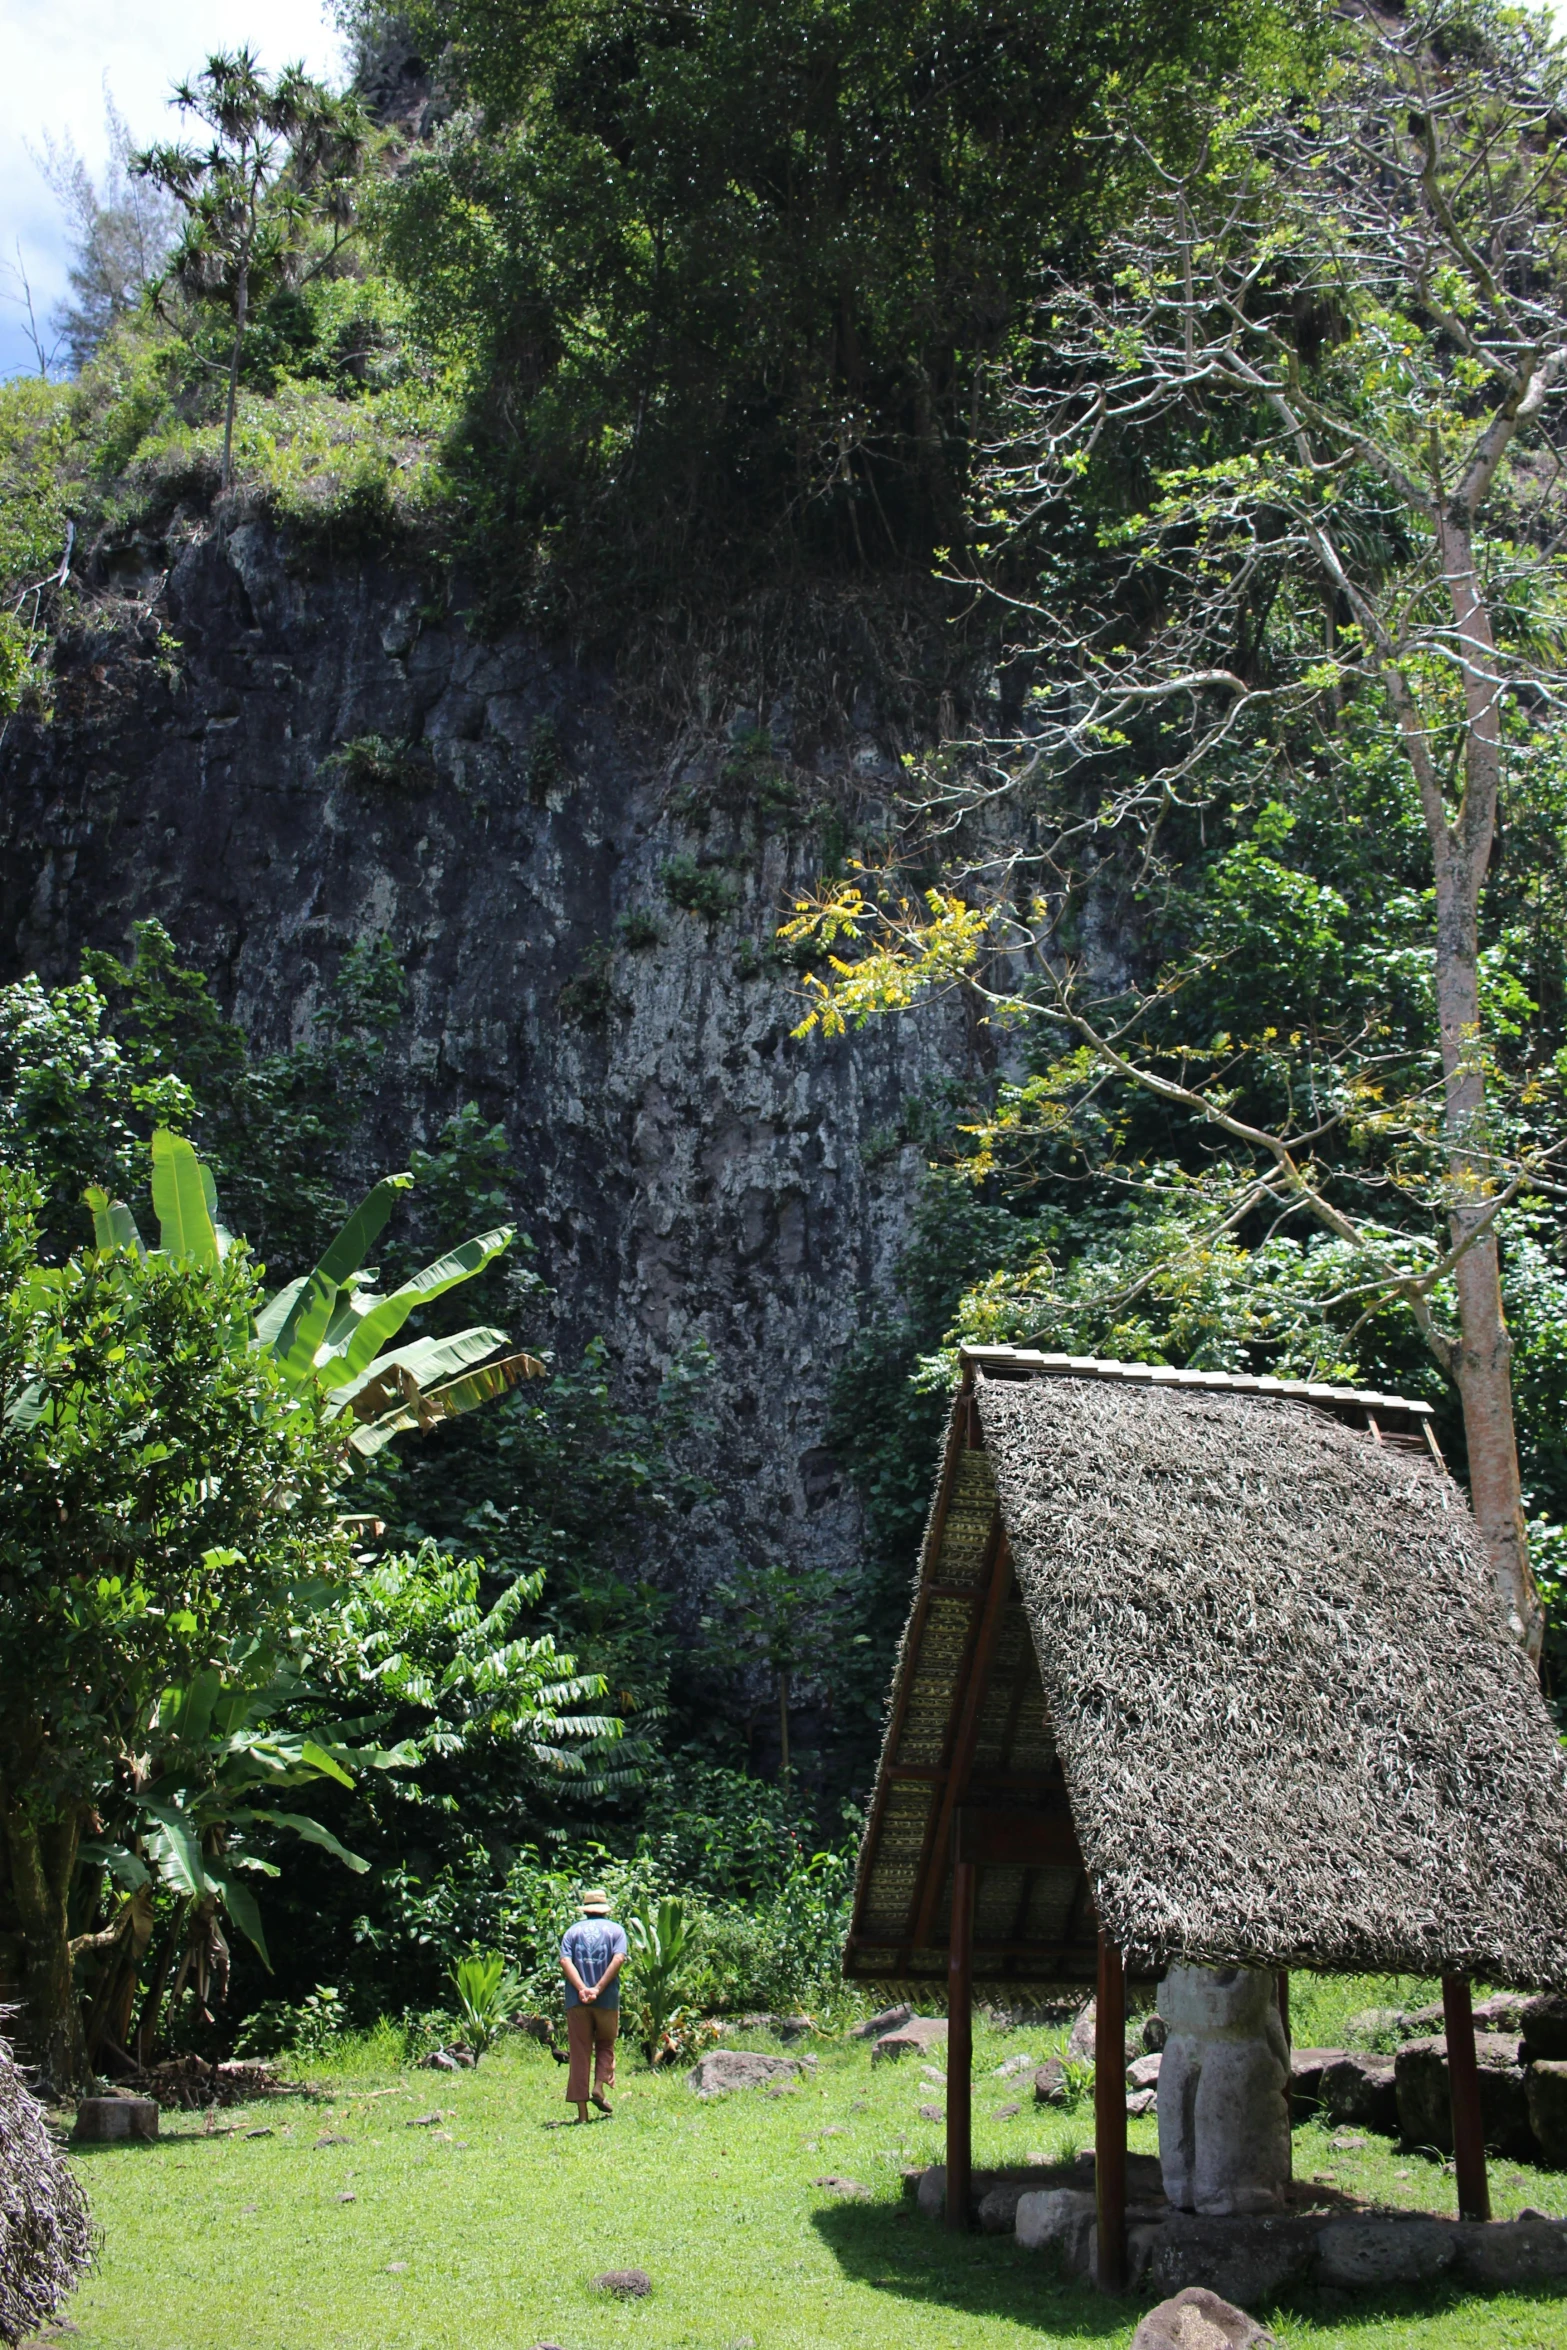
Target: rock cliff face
[[690, 1170]]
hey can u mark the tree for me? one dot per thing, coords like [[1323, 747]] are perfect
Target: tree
[[283, 161], [121, 232], [742, 263], [1297, 427], [164, 1501], [786, 1619]]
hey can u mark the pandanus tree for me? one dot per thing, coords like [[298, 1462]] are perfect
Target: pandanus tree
[[173, 1445], [280, 167]]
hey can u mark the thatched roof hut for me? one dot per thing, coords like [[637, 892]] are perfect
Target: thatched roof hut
[[1203, 1668], [45, 2233], [1234, 1646]]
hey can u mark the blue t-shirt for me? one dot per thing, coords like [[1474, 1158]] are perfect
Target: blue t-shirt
[[590, 1945]]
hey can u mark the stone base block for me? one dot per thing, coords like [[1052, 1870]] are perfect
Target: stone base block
[[101, 2121], [1255, 2261]]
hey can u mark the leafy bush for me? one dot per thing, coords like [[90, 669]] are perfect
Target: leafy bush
[[659, 1938], [703, 890], [488, 1995], [371, 763]]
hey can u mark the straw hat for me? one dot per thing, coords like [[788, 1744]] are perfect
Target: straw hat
[[595, 1902]]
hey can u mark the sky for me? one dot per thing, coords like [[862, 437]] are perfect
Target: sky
[[56, 55]]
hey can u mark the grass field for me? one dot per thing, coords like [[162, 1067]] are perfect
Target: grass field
[[347, 2227]]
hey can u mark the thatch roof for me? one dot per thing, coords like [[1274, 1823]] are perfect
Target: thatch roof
[[45, 2233], [1263, 1643]]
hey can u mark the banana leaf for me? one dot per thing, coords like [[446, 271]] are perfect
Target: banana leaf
[[445, 1403], [347, 1252], [240, 1902], [423, 1361], [387, 1316], [180, 1186], [112, 1222]]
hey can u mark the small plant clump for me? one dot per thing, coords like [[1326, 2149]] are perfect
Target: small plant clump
[[636, 929], [588, 996], [704, 890], [370, 762]]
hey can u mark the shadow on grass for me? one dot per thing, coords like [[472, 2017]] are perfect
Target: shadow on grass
[[895, 2251]]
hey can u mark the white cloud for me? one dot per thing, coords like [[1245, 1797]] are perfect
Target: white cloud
[[57, 54]]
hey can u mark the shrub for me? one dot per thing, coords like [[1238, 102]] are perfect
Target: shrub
[[704, 890]]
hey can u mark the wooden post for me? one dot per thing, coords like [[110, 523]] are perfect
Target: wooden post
[[1474, 2194], [960, 2045], [1110, 2117]]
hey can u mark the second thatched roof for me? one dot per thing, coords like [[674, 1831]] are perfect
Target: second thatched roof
[[46, 2237], [1293, 1728]]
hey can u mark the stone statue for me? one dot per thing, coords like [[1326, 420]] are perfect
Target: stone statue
[[1224, 2123]]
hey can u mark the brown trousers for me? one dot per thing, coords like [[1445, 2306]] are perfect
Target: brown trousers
[[590, 2031]]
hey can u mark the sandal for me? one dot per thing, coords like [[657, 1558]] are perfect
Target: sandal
[[602, 2102]]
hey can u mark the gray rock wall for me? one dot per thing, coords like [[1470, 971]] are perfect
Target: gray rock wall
[[689, 1169]]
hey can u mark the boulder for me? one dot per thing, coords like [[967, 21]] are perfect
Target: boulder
[[1306, 2070], [1425, 2115], [1141, 2101], [1056, 2219], [105, 2121], [782, 2027], [1545, 2088], [930, 2192], [1356, 2086], [998, 2208], [1543, 2025], [888, 2021], [1144, 2072], [1050, 2083], [1512, 2253], [723, 2069], [1080, 2040], [1247, 2261], [1503, 2012], [911, 2038], [1154, 2033], [1080, 2045], [1382, 2251], [1196, 2319]]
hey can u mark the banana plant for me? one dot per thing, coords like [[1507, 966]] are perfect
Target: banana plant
[[188, 1829], [329, 1330]]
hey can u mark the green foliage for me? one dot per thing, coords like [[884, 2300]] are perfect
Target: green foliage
[[283, 159], [637, 929], [704, 890], [588, 996], [166, 1497], [488, 1995], [659, 1938], [370, 763], [35, 439], [703, 263], [87, 1070]]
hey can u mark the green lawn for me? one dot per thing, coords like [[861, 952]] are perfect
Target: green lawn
[[486, 2229]]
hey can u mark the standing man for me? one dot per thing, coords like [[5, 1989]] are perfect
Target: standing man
[[592, 1953]]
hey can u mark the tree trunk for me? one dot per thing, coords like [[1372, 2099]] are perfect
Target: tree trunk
[[42, 1858], [783, 1725], [1461, 851], [241, 304]]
